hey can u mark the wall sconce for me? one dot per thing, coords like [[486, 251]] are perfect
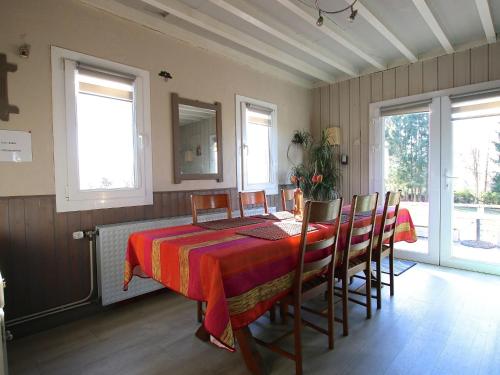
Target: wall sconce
[[166, 75], [24, 51], [333, 135]]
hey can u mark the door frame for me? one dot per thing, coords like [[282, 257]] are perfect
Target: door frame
[[439, 225]]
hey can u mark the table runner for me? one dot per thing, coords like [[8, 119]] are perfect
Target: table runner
[[239, 277], [230, 223], [276, 231]]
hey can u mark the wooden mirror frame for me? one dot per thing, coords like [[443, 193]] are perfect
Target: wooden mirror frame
[[178, 176]]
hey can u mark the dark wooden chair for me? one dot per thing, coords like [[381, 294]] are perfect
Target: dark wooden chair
[[252, 198], [287, 196], [312, 278], [357, 256], [208, 202], [384, 245]]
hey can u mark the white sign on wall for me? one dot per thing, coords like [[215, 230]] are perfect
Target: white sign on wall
[[15, 146]]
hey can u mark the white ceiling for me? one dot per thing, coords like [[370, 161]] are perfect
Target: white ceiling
[[281, 36]]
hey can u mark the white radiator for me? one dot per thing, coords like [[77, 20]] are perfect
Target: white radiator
[[111, 247]]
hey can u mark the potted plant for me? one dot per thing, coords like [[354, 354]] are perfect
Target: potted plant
[[318, 174]]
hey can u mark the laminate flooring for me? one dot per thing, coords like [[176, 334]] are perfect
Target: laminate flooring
[[441, 321]]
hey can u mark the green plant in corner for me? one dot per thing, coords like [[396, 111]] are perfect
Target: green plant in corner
[[318, 174]]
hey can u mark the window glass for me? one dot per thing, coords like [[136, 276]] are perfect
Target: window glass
[[258, 147], [106, 134]]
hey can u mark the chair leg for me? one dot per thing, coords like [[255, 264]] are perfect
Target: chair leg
[[379, 283], [284, 312], [331, 317], [369, 293], [345, 296], [272, 313], [391, 271], [298, 339], [199, 311]]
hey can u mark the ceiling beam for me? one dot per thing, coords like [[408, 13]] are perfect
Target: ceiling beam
[[158, 24], [483, 7], [212, 25], [295, 42], [331, 33], [433, 24], [382, 29]]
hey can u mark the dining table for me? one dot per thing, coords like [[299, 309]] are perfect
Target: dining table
[[239, 267]]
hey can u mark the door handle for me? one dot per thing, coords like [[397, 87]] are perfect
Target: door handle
[[448, 177]]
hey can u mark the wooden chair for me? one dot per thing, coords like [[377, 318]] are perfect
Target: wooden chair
[[286, 196], [208, 202], [312, 278], [381, 248], [358, 255], [252, 198]]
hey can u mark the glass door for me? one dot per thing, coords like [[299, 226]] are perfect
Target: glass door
[[405, 157], [471, 182]]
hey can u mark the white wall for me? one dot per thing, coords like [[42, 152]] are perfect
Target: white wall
[[198, 74]]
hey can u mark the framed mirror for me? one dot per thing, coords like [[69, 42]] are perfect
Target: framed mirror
[[197, 138]]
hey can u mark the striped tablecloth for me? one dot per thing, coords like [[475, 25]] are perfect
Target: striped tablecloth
[[240, 277]]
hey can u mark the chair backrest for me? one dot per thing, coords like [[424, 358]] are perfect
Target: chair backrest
[[360, 237], [316, 212], [286, 195], [389, 218], [252, 198], [209, 202]]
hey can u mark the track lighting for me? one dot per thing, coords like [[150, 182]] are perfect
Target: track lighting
[[351, 18]]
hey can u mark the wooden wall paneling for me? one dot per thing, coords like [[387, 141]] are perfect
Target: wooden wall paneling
[[402, 81], [389, 84], [461, 68], [86, 222], [430, 75], [445, 72], [494, 61], [16, 270], [325, 107], [415, 78], [376, 87], [355, 137], [364, 101], [344, 125], [78, 269], [479, 64], [316, 113], [334, 105], [62, 263], [4, 234]]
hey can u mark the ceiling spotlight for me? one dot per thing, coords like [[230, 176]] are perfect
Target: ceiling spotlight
[[354, 13], [319, 22]]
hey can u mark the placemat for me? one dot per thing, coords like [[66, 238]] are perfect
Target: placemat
[[276, 231], [230, 223], [280, 215]]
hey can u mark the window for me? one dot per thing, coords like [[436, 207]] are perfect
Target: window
[[257, 145], [101, 130]]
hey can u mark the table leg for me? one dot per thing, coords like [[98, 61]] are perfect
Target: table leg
[[248, 349], [202, 334]]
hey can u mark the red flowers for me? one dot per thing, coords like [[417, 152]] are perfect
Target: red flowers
[[317, 178], [293, 179]]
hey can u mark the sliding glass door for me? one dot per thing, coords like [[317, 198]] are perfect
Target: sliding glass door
[[443, 153], [406, 159], [471, 182]]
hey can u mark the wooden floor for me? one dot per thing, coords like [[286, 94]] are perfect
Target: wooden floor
[[441, 321]]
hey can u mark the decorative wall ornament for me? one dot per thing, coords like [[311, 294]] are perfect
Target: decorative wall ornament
[[5, 108]]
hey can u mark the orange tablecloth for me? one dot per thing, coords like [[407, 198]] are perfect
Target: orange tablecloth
[[239, 277]]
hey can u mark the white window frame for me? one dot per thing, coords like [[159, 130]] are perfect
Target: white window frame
[[68, 195], [272, 187]]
